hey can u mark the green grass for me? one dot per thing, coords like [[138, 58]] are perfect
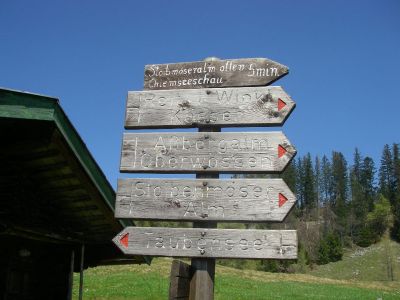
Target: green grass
[[151, 282], [379, 262], [362, 274], [235, 288]]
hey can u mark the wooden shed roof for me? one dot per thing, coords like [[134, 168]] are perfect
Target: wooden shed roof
[[51, 188]]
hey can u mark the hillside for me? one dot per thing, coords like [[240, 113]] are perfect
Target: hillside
[[361, 275], [379, 262]]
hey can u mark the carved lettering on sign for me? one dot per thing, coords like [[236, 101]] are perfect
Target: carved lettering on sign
[[218, 73], [217, 243], [206, 152], [206, 199], [267, 106]]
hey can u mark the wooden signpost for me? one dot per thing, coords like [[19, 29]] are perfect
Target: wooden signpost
[[212, 243], [248, 106], [213, 73], [207, 95], [179, 280], [236, 200], [189, 152]]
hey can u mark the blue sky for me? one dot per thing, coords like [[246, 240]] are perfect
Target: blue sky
[[343, 56]]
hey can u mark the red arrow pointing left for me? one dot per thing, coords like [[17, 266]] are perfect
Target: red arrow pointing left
[[124, 240]]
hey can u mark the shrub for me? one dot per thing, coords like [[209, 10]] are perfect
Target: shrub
[[330, 249]]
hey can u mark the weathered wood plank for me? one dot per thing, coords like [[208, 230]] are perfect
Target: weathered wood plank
[[179, 288], [215, 73], [180, 269], [208, 243], [248, 200], [179, 282], [206, 152], [248, 106]]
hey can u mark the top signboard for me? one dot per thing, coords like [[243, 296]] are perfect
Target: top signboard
[[213, 73]]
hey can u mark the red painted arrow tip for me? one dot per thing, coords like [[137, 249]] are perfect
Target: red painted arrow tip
[[124, 240], [282, 199], [281, 104], [281, 151]]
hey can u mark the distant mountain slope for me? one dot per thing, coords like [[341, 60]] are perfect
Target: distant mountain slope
[[379, 262]]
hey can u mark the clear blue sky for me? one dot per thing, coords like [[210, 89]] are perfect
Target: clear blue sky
[[344, 60]]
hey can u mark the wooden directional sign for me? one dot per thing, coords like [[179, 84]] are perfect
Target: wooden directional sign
[[215, 73], [205, 152], [248, 106], [204, 200], [208, 243]]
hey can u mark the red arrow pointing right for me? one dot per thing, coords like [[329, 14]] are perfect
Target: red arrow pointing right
[[282, 199], [281, 151], [281, 104]]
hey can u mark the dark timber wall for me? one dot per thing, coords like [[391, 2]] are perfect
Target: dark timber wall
[[33, 269]]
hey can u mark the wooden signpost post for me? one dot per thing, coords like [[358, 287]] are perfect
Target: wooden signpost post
[[207, 95]]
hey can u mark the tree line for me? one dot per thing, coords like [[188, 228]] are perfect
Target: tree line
[[341, 204]]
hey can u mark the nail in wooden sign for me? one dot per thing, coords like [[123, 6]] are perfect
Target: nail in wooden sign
[[232, 152], [235, 200], [216, 73], [208, 243], [248, 106]]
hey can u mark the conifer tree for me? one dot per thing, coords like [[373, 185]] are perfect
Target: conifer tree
[[299, 184], [289, 176], [395, 232], [309, 184], [367, 181], [305, 185], [317, 180], [340, 189], [359, 206], [386, 173], [326, 188], [358, 211], [396, 169]]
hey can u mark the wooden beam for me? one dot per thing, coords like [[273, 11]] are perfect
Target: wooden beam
[[179, 283], [82, 264], [71, 275]]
